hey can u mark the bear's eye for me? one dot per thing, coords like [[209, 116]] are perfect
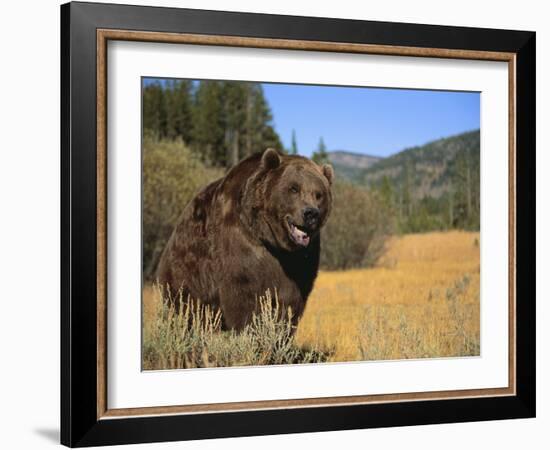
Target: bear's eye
[[294, 189], [318, 196]]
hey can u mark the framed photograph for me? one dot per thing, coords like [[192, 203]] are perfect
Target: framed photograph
[[277, 224]]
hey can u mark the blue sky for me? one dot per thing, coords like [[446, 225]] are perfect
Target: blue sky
[[373, 121]]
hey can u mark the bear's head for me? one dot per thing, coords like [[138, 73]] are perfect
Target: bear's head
[[287, 200]]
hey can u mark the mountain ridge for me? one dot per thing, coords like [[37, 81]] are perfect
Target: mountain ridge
[[425, 169], [350, 165]]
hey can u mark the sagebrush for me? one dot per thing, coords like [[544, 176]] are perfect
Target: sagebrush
[[193, 337]]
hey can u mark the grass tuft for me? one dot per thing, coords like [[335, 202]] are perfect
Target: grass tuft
[[193, 337]]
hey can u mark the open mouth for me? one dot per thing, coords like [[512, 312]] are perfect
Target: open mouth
[[298, 234]]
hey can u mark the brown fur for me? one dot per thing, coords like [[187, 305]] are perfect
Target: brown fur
[[232, 242]]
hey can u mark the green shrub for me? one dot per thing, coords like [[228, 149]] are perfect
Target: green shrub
[[171, 175], [357, 230]]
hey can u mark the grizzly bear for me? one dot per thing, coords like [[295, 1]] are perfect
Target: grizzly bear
[[255, 229]]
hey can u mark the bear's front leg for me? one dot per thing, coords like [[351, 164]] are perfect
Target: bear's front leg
[[239, 303], [240, 296], [237, 309]]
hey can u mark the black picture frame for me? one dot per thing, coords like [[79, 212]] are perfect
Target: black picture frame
[[80, 425]]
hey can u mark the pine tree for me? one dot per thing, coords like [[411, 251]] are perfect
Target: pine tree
[[256, 110], [222, 122], [320, 156], [208, 132], [154, 110], [465, 180], [294, 145], [386, 192], [261, 131], [171, 109], [407, 188], [235, 99], [180, 122]]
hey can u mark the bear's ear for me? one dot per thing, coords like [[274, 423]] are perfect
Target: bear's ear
[[328, 172], [271, 159]]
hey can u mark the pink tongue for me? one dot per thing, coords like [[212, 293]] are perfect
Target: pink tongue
[[300, 237]]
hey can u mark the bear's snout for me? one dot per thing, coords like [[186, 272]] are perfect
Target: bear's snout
[[311, 217]]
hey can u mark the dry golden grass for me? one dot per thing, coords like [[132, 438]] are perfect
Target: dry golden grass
[[151, 305], [422, 301]]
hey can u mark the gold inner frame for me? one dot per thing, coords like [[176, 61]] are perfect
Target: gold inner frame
[[103, 36]]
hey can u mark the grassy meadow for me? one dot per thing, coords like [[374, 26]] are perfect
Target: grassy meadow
[[420, 301]]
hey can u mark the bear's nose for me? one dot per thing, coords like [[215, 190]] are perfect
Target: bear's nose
[[311, 216]]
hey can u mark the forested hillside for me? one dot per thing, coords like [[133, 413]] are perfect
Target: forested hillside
[[433, 186], [351, 166]]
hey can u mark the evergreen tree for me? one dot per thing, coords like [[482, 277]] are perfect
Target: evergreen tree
[[407, 189], [386, 192], [208, 124], [222, 121], [247, 121], [261, 131], [154, 110], [320, 156], [235, 99], [465, 181], [272, 139], [179, 115], [294, 145]]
